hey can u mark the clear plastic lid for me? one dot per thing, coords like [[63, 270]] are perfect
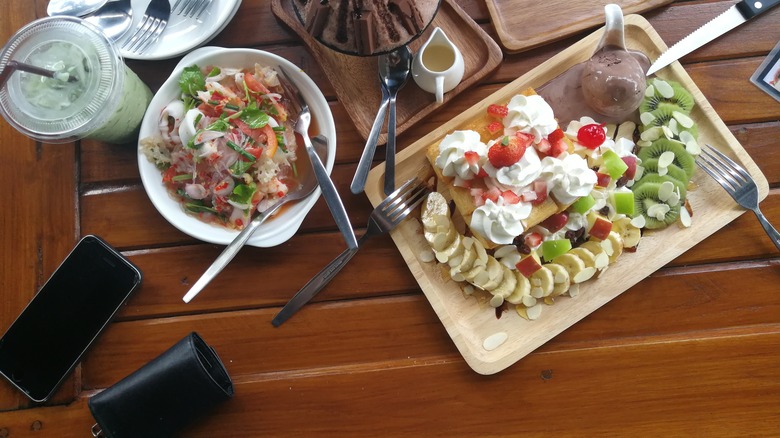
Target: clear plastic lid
[[51, 110]]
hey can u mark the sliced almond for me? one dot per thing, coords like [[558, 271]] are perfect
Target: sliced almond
[[663, 88], [534, 312], [584, 275], [494, 341]]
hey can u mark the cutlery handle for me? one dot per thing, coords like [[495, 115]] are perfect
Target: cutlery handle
[[770, 230], [230, 251], [364, 165], [313, 287], [331, 195], [752, 8], [390, 149]]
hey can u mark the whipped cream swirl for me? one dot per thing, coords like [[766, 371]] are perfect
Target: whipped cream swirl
[[568, 178], [452, 154], [500, 222], [531, 115], [518, 175]]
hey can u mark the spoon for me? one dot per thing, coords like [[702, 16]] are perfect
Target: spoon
[[76, 8], [303, 190], [394, 70], [613, 81], [13, 66], [114, 18]]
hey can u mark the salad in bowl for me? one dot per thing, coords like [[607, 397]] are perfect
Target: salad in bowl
[[217, 145]]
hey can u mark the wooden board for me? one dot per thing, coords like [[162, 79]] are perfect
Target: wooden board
[[525, 24], [469, 321], [355, 78]]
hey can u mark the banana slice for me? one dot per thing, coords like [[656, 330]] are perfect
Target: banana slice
[[585, 255], [443, 240], [485, 277], [617, 245], [508, 283], [435, 205], [561, 279], [571, 263], [468, 259], [542, 283], [630, 233], [455, 249], [597, 248], [522, 289]]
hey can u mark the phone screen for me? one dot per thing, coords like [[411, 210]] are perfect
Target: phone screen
[[47, 340]]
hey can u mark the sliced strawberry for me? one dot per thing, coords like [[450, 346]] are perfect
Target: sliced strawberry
[[532, 240], [471, 157], [495, 127], [481, 173], [499, 111], [558, 147], [555, 136], [493, 194], [510, 197], [506, 152], [540, 189], [525, 138], [544, 147], [556, 221]]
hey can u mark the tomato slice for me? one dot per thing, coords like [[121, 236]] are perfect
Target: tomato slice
[[254, 84]]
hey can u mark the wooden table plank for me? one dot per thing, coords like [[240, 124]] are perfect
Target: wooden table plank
[[369, 356]]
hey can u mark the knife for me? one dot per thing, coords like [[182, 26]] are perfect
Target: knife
[[733, 17]]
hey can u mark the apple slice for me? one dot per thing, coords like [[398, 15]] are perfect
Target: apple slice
[[528, 265], [600, 228], [623, 200], [614, 165], [555, 247], [583, 204]]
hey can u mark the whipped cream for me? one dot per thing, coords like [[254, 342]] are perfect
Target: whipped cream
[[452, 155], [568, 178], [518, 175], [500, 222], [531, 115]]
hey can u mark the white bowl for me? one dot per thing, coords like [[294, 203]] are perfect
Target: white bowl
[[284, 225]]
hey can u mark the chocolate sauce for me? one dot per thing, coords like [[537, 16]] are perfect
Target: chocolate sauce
[[565, 96]]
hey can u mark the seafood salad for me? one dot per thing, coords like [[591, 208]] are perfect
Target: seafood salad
[[225, 147]]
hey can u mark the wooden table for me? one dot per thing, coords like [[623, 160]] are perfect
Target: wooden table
[[691, 350]]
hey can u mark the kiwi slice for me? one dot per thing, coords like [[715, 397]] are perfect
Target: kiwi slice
[[646, 202], [654, 178], [664, 115], [662, 91], [673, 170], [682, 158]]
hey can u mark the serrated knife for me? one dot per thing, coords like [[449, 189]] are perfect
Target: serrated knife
[[733, 17]]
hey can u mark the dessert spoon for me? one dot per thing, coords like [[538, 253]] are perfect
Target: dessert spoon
[[394, 69]]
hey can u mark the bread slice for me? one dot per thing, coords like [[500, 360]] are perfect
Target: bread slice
[[462, 196]]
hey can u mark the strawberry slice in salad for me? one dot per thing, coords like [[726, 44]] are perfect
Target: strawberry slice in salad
[[225, 147]]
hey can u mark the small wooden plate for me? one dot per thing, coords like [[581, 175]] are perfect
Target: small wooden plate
[[355, 78], [525, 24], [470, 320]]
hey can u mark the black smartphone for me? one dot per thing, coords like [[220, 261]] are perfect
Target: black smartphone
[[47, 340]]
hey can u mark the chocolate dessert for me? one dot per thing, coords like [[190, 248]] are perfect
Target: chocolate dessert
[[365, 27]]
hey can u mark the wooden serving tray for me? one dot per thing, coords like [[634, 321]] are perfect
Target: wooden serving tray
[[525, 24], [355, 78], [470, 320]]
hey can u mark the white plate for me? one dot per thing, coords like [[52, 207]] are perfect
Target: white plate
[[182, 34], [278, 229]]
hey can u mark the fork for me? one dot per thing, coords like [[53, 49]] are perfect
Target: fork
[[190, 8], [738, 183], [385, 217], [150, 27], [302, 122]]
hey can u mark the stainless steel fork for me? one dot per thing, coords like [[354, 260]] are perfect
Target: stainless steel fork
[[738, 183], [152, 24], [385, 217], [329, 192], [190, 8]]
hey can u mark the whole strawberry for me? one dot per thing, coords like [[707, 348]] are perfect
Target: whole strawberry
[[506, 152]]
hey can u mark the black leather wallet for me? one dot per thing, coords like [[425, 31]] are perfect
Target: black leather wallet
[[163, 396]]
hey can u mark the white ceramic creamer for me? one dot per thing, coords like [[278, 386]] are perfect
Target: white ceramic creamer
[[438, 65]]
